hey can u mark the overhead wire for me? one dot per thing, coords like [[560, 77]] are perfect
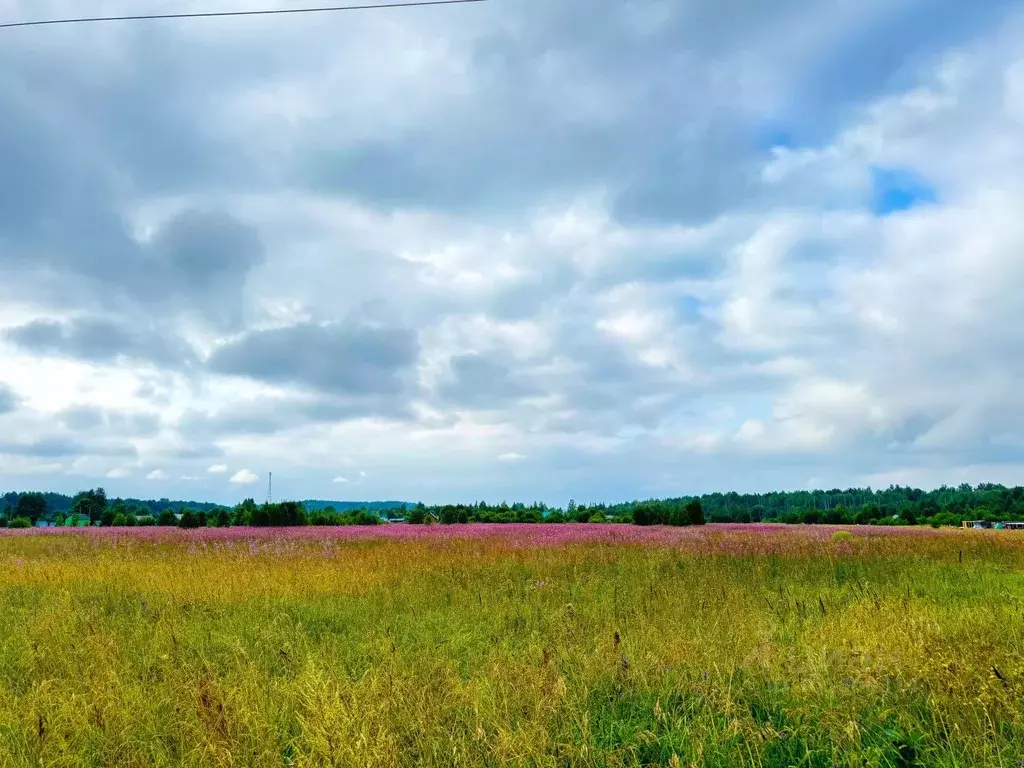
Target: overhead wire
[[228, 14]]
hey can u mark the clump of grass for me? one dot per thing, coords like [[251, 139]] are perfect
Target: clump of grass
[[720, 647]]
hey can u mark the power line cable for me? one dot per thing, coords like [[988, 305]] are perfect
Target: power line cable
[[225, 14]]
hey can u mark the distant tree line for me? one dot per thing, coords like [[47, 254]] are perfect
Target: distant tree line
[[93, 508], [59, 502], [895, 505]]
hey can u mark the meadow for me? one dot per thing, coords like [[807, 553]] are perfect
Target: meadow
[[531, 645]]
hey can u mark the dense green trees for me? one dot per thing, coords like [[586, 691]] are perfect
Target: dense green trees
[[417, 515], [330, 516], [895, 505], [671, 512], [31, 506], [91, 504]]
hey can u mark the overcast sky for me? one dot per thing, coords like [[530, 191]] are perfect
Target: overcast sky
[[521, 249]]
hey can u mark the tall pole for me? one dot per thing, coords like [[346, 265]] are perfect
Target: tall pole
[[270, 487]]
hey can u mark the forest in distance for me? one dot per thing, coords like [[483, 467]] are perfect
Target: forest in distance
[[895, 505]]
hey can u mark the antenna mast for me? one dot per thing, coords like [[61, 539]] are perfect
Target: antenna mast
[[270, 487]]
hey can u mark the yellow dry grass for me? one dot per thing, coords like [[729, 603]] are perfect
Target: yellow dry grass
[[717, 650]]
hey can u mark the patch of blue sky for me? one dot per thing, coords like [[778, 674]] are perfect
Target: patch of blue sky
[[690, 309], [772, 135], [894, 190]]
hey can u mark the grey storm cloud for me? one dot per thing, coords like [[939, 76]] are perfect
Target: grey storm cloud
[[100, 340], [649, 101], [8, 399], [202, 259], [194, 450], [269, 416], [59, 447], [196, 264], [94, 420], [73, 169], [482, 382], [339, 358], [595, 103], [43, 448]]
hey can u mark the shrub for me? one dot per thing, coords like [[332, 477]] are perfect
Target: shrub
[[21, 522], [451, 515], [259, 517], [643, 514], [323, 518], [530, 516], [362, 517], [679, 516], [417, 516], [695, 512]]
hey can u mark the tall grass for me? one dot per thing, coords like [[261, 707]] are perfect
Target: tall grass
[[717, 647]]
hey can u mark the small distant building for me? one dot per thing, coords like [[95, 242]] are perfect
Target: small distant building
[[976, 524], [1013, 526]]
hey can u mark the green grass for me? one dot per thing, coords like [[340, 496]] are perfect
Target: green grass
[[879, 651]]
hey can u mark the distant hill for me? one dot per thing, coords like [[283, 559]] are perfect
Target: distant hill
[[344, 506]]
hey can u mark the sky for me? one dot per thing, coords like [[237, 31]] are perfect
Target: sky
[[512, 250]]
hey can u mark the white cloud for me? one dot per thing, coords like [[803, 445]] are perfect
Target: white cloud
[[157, 474], [646, 307], [244, 477]]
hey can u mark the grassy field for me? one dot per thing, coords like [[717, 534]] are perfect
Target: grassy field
[[515, 645]]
